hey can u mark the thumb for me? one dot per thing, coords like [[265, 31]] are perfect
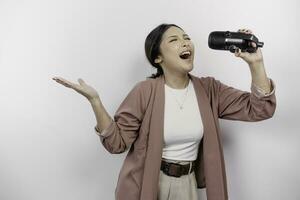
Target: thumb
[[81, 82], [239, 53]]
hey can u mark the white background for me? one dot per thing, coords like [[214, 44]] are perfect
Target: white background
[[48, 148]]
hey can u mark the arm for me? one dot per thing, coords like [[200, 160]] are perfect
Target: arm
[[258, 105], [234, 104], [260, 81], [102, 117], [119, 133]]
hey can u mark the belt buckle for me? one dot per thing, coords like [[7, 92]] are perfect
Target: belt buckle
[[175, 175]]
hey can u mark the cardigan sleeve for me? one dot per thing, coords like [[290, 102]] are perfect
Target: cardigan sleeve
[[124, 127], [235, 104]]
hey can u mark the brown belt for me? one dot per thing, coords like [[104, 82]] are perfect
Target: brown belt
[[175, 169]]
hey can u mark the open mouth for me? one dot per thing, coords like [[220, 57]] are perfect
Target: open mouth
[[185, 55]]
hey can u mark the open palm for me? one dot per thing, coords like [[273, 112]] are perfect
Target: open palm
[[82, 88]]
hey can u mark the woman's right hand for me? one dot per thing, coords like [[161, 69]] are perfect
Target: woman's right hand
[[82, 88]]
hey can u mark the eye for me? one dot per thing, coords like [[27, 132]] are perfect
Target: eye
[[176, 39]]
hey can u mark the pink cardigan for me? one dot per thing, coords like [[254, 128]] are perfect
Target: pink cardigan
[[138, 126]]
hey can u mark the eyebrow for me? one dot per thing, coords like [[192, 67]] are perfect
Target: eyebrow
[[176, 35]]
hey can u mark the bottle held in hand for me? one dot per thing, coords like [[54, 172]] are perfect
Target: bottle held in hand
[[226, 40]]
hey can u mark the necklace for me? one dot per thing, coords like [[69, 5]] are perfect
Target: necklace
[[181, 105]]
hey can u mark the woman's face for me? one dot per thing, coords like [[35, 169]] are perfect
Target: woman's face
[[176, 51]]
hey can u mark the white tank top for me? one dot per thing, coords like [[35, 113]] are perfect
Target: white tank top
[[183, 128]]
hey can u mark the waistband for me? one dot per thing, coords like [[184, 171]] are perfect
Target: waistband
[[181, 162]]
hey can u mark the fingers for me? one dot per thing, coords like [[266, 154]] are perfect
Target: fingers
[[238, 53], [64, 82], [248, 31], [81, 82]]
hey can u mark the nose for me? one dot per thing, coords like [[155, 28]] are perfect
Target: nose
[[185, 43]]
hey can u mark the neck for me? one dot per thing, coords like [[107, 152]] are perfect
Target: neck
[[177, 82]]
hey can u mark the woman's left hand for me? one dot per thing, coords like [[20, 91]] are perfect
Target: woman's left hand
[[251, 58]]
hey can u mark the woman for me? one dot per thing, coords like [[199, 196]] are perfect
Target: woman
[[172, 154]]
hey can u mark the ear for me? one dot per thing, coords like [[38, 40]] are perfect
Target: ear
[[158, 59]]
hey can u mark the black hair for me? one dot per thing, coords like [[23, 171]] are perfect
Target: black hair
[[152, 44]]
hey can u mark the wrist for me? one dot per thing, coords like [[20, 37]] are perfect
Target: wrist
[[95, 100]]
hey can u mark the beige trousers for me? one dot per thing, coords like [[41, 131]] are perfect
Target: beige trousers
[[177, 188]]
